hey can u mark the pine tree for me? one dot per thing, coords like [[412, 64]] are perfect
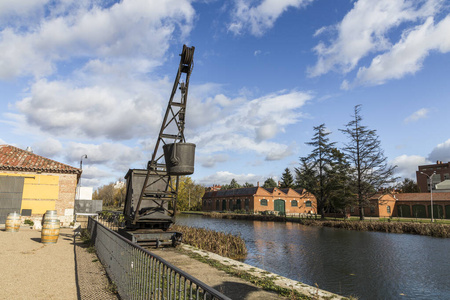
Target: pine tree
[[370, 169], [287, 180], [316, 170]]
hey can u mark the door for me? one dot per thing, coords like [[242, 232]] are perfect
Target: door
[[11, 189], [278, 205]]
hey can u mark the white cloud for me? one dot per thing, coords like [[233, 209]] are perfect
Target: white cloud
[[420, 114], [441, 152], [260, 17], [407, 56], [364, 30], [117, 157], [21, 11], [115, 112], [210, 161], [407, 165], [138, 30], [48, 147], [249, 125]]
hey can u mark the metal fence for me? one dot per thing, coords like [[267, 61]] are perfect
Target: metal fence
[[139, 274]]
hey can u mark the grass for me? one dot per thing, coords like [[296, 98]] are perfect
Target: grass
[[266, 283]]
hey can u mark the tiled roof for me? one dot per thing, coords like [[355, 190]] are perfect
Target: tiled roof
[[422, 196], [16, 159], [233, 192]]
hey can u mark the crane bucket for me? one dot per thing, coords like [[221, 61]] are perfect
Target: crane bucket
[[179, 158]]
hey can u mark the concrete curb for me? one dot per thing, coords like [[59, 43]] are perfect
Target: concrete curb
[[280, 281]]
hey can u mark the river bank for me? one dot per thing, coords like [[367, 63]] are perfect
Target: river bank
[[428, 229]]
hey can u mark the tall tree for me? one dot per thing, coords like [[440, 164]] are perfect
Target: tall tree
[[269, 183], [287, 180], [409, 186], [342, 195], [370, 169], [317, 171], [105, 193], [233, 185], [189, 194]]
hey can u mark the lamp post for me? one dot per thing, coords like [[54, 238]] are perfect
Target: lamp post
[[81, 164], [430, 177]]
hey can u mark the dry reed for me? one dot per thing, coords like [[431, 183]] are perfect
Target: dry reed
[[223, 244]]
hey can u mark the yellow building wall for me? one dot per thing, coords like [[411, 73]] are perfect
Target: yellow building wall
[[38, 207], [40, 192]]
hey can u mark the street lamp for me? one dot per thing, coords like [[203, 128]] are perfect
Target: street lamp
[[430, 177], [81, 164]]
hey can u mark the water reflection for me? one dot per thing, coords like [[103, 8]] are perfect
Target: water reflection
[[370, 265]]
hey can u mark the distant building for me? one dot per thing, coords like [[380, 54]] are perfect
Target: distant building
[[258, 199], [119, 185], [442, 187], [31, 184], [407, 205], [442, 173], [213, 188]]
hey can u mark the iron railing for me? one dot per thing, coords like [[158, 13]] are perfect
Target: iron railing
[[140, 274]]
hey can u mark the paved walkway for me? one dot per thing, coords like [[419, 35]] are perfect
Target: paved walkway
[[65, 270]]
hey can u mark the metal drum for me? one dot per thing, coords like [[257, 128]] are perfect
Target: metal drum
[[12, 222], [179, 158]]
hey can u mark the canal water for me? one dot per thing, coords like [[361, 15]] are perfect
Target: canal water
[[369, 265]]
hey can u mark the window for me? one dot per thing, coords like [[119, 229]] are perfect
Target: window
[[263, 202], [446, 176], [372, 209], [308, 203], [388, 208], [294, 203]]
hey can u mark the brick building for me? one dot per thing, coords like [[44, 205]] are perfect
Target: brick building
[[442, 173], [32, 184], [407, 205], [258, 199]]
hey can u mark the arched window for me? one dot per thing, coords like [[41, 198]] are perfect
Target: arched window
[[308, 203], [388, 208], [263, 202], [294, 203]]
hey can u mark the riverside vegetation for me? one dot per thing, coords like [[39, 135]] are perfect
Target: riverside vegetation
[[413, 227], [223, 244]]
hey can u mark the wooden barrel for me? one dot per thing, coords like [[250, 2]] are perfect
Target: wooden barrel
[[12, 222], [50, 231]]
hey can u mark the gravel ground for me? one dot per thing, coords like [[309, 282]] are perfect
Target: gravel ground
[[65, 270]]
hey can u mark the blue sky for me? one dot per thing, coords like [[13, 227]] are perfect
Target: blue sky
[[94, 77]]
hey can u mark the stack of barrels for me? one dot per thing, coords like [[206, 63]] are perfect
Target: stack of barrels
[[12, 222], [50, 227]]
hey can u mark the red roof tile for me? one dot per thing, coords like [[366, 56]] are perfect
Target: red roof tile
[[16, 159], [422, 196]]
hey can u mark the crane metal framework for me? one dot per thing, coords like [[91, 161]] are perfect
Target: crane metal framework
[[149, 191]]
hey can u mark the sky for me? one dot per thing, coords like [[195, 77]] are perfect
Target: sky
[[91, 77]]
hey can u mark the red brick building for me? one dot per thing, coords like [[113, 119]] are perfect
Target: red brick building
[[258, 199], [442, 171], [407, 205]]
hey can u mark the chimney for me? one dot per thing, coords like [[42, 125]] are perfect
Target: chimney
[[29, 149], [279, 183], [257, 184]]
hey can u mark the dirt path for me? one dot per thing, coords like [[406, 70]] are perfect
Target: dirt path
[[65, 270], [233, 287]]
